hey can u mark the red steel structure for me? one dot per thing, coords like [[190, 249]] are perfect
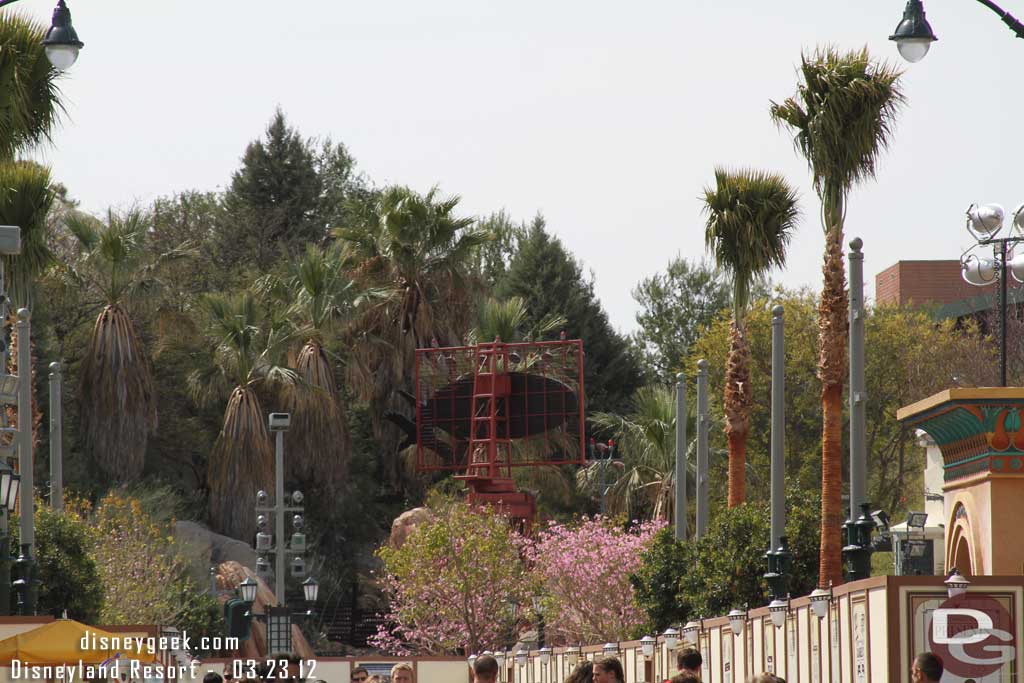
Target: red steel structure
[[485, 409]]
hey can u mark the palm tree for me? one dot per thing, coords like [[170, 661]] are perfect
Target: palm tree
[[646, 440], [118, 397], [416, 252], [507, 320], [248, 346], [842, 118], [750, 218], [29, 98], [320, 296], [26, 196]]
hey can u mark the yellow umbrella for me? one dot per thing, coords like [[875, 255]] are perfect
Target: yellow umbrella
[[62, 641]]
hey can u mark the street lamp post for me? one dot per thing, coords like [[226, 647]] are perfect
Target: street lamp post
[[61, 41], [279, 618], [984, 223], [914, 35]]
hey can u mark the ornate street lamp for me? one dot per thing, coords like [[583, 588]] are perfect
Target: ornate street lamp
[[247, 589], [913, 35], [956, 584], [671, 636], [737, 618], [61, 41]]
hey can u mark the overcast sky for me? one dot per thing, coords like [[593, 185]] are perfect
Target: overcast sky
[[606, 117]]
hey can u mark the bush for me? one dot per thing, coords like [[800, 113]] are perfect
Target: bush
[[67, 570], [679, 581]]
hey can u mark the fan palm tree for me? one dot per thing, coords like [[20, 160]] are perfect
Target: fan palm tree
[[842, 119], [26, 196], [29, 98], [320, 296], [248, 347], [646, 439], [416, 252], [118, 397], [507, 320], [751, 216]]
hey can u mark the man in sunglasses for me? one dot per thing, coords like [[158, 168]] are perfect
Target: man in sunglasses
[[360, 674]]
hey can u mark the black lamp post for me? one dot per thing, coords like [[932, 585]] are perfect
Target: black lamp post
[[61, 41], [913, 35], [9, 484]]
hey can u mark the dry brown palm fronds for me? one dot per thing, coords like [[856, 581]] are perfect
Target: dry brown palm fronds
[[318, 441], [117, 395], [241, 463]]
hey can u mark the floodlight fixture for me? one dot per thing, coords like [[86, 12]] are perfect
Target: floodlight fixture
[[916, 520]]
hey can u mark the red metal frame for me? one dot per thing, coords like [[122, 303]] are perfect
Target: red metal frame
[[485, 409]]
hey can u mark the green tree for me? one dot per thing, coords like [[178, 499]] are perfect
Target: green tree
[[30, 103], [910, 356], [116, 390], [246, 348], [674, 307], [274, 199], [545, 275], [68, 574], [26, 197], [842, 118], [750, 219], [415, 254], [679, 581], [643, 482], [493, 257], [321, 296]]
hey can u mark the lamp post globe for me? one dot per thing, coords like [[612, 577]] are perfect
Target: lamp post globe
[[248, 589], [913, 35], [61, 41], [311, 589]]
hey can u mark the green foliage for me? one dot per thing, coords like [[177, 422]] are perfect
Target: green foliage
[[751, 216], [675, 307], [910, 356], [545, 275], [26, 197], [679, 581], [30, 103], [71, 579]]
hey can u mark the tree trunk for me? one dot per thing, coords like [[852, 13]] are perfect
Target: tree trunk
[[737, 405], [832, 341]]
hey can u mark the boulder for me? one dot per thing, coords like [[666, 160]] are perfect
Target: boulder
[[213, 548], [405, 523]]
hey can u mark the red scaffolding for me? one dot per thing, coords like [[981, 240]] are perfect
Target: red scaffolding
[[483, 410]]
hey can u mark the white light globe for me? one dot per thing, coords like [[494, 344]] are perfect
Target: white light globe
[[61, 56], [978, 271], [985, 220], [913, 49]]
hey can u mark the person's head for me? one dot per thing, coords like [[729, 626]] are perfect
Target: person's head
[[927, 668], [485, 669], [689, 659], [213, 677], [765, 678], [685, 677], [582, 673], [359, 674], [609, 670], [402, 673]]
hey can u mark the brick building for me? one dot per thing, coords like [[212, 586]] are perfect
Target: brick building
[[934, 282]]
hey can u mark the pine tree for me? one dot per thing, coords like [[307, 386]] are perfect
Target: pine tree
[[274, 199], [551, 282]]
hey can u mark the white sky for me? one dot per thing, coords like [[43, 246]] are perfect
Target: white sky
[[607, 117]]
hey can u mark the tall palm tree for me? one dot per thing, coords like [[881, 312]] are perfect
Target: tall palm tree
[[416, 252], [751, 216], [248, 346], [118, 397], [321, 295], [645, 438], [842, 118], [29, 98]]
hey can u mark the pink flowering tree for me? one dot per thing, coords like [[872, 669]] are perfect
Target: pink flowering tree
[[583, 571], [453, 584]]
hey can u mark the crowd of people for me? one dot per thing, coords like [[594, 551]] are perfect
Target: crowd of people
[[927, 668]]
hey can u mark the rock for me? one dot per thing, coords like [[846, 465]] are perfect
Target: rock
[[213, 547], [405, 523]]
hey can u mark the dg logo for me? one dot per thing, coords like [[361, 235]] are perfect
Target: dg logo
[[973, 634]]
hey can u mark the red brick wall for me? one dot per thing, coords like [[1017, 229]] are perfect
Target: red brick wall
[[926, 282]]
